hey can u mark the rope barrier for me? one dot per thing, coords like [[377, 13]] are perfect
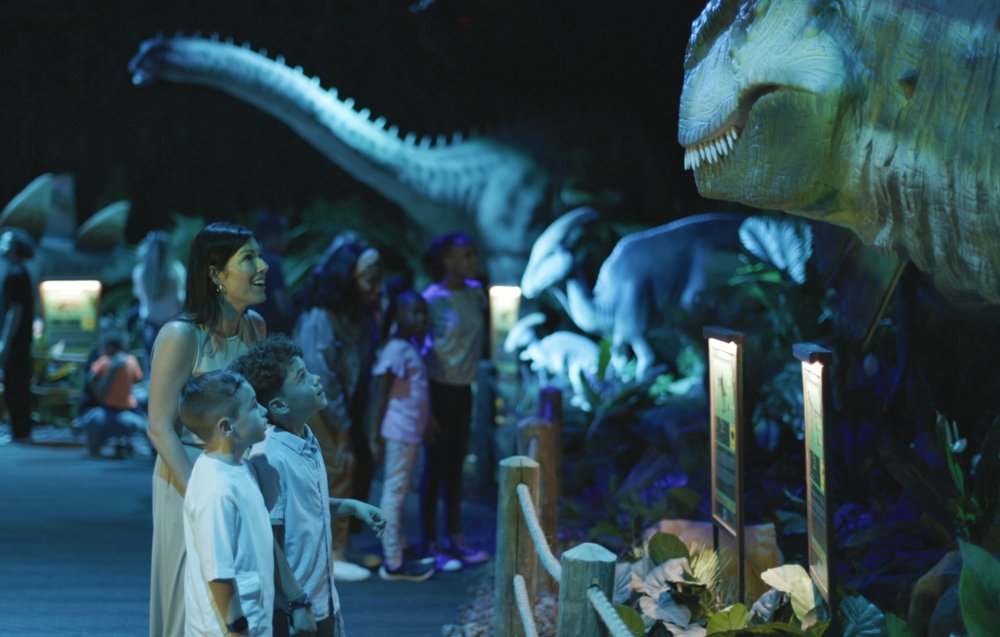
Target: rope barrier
[[524, 607], [607, 612], [545, 555]]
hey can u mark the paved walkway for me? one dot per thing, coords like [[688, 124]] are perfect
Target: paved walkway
[[74, 553]]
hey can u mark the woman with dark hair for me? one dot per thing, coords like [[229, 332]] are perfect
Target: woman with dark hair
[[225, 276], [16, 247], [338, 333]]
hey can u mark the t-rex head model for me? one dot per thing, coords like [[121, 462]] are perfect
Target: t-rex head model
[[482, 184], [882, 116]]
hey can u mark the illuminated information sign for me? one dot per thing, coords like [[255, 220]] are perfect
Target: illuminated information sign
[[815, 392], [725, 373], [70, 311]]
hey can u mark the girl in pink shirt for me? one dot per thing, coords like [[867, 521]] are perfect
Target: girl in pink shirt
[[401, 407]]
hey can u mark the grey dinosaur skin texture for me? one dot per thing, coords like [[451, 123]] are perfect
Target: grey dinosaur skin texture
[[882, 116], [481, 185]]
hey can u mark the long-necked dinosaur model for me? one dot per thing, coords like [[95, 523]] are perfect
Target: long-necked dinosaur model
[[647, 275], [481, 184], [882, 116]]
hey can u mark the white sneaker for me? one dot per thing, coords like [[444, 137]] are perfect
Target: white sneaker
[[350, 572]]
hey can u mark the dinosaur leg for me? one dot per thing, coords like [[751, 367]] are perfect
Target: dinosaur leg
[[579, 399], [644, 356]]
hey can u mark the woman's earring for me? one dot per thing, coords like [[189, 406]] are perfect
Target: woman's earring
[[221, 289]]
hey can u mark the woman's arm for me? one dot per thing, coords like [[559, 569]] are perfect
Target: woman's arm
[[174, 355]]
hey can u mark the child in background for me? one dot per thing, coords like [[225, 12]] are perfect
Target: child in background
[[401, 410], [229, 574], [292, 476], [457, 307]]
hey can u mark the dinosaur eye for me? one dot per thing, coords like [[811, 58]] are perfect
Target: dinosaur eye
[[750, 11], [717, 16], [825, 8]]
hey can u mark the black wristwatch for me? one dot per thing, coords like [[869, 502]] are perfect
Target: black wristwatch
[[239, 625], [301, 601]]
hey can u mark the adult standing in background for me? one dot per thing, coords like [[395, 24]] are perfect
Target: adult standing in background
[[16, 247], [338, 333], [158, 282], [272, 231], [225, 276]]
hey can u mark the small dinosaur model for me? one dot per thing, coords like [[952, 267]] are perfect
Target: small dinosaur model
[[881, 116], [565, 355], [647, 275], [486, 184]]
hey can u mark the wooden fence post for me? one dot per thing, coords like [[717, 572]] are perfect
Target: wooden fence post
[[550, 408], [584, 566], [515, 548], [539, 430]]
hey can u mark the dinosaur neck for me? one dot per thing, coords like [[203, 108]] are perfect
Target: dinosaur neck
[[928, 159], [440, 182], [579, 305]]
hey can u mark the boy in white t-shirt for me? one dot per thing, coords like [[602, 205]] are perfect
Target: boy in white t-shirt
[[292, 476], [229, 578]]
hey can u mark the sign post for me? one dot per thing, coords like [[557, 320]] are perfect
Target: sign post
[[816, 363], [725, 373], [505, 303]]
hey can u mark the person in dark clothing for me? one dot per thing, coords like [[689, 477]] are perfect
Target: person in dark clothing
[[16, 247], [272, 233]]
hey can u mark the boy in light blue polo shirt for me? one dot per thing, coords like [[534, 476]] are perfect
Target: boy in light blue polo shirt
[[292, 477]]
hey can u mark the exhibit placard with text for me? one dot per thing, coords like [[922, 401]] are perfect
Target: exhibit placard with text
[[70, 312], [725, 373], [815, 391]]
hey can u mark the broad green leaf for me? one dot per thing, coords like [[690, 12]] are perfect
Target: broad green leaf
[[803, 599], [895, 626], [979, 590], [913, 474], [666, 546], [784, 577], [784, 243], [987, 485], [764, 608], [665, 608], [770, 630], [861, 618], [817, 630], [632, 620], [732, 618]]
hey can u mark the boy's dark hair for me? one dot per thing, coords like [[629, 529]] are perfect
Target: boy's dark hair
[[206, 398], [113, 339], [266, 365]]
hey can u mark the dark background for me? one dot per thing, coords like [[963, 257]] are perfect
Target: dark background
[[67, 103]]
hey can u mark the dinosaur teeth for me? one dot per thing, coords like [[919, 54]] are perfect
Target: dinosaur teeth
[[712, 150]]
